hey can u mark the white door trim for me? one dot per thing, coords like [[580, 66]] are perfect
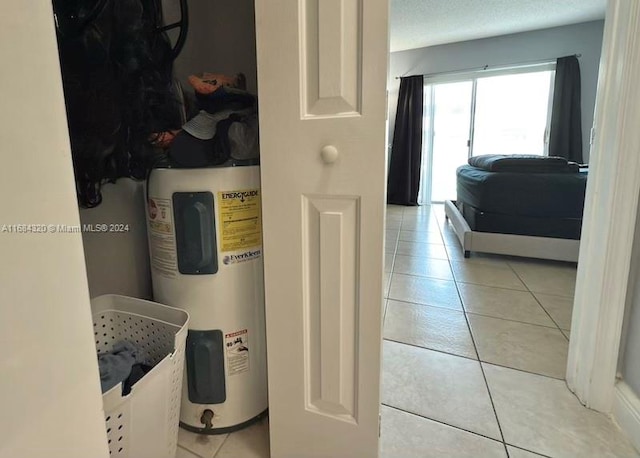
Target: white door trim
[[609, 220]]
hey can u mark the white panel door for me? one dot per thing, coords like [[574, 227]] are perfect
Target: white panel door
[[322, 68]]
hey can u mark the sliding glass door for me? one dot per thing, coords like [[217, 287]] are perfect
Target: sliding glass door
[[507, 113], [511, 114], [450, 134]]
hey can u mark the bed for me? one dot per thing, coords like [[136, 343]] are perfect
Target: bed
[[527, 206]]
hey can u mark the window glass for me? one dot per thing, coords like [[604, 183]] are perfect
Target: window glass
[[511, 114]]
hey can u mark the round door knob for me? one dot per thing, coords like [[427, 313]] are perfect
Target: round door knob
[[329, 154]]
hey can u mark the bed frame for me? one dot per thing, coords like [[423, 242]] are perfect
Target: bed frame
[[509, 244]]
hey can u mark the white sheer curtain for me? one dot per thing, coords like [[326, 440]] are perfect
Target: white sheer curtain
[[424, 193]]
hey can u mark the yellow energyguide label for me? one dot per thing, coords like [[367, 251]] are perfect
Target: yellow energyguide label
[[240, 219]]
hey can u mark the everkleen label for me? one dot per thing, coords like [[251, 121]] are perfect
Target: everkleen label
[[240, 221], [241, 257]]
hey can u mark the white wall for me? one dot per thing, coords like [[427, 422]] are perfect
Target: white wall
[[585, 39], [629, 361], [221, 39], [631, 357], [49, 382], [118, 262]]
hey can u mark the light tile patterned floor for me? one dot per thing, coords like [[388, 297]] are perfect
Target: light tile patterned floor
[[475, 352], [251, 442], [474, 357]]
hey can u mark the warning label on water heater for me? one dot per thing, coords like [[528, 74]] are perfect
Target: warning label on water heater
[[161, 239], [237, 351], [240, 220]]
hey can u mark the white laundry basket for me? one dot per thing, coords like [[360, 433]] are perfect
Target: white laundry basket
[[144, 423]]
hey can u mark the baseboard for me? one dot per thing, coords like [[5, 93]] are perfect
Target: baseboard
[[626, 412]]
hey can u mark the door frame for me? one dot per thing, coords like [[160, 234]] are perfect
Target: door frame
[[604, 283]]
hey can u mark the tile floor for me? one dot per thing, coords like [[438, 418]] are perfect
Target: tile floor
[[474, 357], [252, 442], [475, 352]]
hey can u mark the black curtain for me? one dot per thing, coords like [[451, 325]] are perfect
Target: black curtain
[[406, 150], [565, 139]]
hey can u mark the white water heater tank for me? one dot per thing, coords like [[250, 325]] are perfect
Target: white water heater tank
[[205, 240]]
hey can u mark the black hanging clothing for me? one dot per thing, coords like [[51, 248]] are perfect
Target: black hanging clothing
[[565, 139], [406, 150], [118, 85]]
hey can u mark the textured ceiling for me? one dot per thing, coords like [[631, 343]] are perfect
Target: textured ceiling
[[420, 23]]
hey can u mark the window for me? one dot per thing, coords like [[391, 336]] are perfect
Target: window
[[504, 111], [511, 114]]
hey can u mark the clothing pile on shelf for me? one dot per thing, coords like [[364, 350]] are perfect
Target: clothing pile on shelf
[[225, 129]]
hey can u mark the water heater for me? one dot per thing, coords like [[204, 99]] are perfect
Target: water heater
[[205, 241]]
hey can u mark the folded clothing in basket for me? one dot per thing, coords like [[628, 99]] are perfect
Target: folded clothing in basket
[[123, 364]]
